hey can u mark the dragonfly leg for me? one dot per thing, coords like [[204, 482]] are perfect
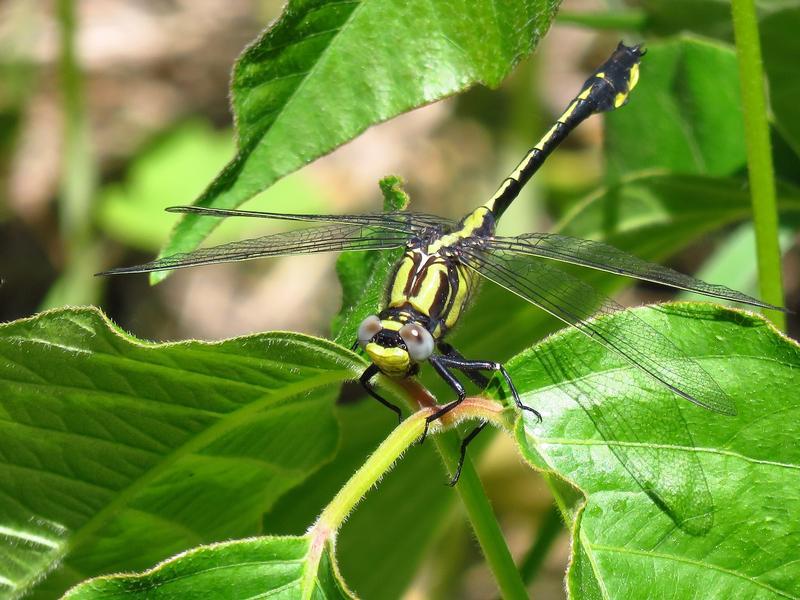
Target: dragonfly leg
[[463, 452], [484, 365], [437, 364], [368, 374], [476, 377]]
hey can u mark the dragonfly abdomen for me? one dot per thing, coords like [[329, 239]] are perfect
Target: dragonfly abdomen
[[607, 88]]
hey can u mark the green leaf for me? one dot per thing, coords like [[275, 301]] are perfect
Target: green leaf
[[118, 453], [735, 476], [651, 215], [284, 567], [685, 115], [734, 263], [780, 48], [363, 275], [706, 17], [169, 172], [327, 70]]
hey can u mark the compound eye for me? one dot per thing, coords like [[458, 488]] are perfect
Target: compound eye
[[369, 328], [418, 340]]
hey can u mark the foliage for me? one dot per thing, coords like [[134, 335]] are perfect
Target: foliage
[[291, 108], [120, 454]]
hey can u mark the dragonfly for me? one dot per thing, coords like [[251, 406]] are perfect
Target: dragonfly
[[443, 261]]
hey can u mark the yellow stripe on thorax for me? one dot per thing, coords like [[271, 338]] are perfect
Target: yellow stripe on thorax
[[466, 281], [473, 221], [428, 288], [405, 270]]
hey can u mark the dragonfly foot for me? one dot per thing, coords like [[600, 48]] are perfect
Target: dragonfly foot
[[463, 452], [424, 435], [535, 412]]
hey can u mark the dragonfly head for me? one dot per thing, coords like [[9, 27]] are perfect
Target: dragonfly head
[[395, 348]]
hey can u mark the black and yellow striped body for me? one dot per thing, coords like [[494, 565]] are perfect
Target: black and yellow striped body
[[606, 89], [430, 286]]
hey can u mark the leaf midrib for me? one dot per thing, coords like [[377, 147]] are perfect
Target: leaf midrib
[[674, 447], [308, 74], [195, 443], [696, 563]]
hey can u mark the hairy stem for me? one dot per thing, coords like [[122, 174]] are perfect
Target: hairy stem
[[481, 517], [392, 448], [473, 496], [759, 156], [469, 487]]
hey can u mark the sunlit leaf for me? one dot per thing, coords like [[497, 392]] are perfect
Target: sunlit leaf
[[327, 70], [278, 567], [118, 453], [735, 476]]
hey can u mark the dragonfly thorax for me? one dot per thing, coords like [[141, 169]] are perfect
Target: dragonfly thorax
[[394, 345]]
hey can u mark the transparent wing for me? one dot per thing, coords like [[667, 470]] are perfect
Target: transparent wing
[[406, 222], [670, 474], [600, 256], [650, 439], [327, 238], [574, 302]]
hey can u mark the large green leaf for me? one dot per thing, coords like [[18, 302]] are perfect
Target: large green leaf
[[736, 476], [327, 70], [685, 115], [706, 17], [277, 567], [118, 453], [781, 48]]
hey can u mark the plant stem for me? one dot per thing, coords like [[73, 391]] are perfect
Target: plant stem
[[759, 156], [549, 529], [397, 442], [481, 517], [469, 487], [371, 471], [631, 20]]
